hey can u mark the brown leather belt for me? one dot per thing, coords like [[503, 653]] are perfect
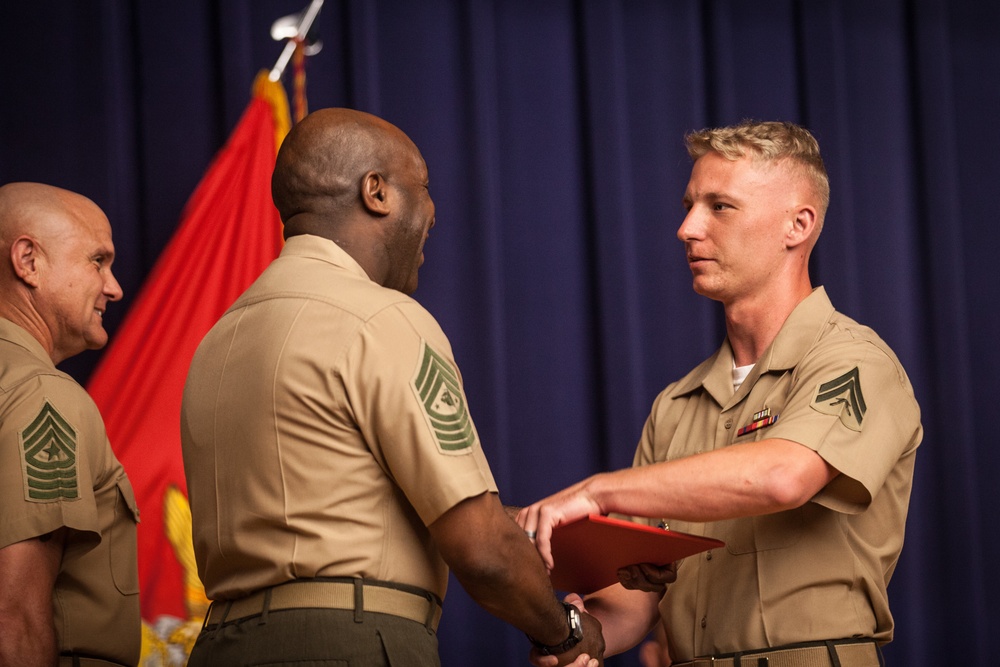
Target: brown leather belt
[[849, 653], [358, 595]]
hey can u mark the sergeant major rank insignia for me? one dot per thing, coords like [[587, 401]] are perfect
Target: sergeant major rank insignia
[[436, 386], [49, 462], [842, 397]]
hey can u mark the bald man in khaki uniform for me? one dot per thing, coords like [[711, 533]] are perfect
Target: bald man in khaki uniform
[[794, 443], [68, 578], [333, 467]]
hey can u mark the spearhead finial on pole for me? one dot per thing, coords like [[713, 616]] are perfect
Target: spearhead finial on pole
[[295, 28]]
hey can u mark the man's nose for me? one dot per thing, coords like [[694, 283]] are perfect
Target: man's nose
[[691, 227], [112, 289]]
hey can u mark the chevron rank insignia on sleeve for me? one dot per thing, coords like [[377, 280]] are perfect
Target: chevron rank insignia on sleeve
[[440, 394], [49, 461], [842, 397]]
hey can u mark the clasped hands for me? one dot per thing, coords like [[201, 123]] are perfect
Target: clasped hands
[[538, 521]]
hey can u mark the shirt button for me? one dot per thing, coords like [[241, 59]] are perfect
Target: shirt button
[[708, 556], [729, 423], [704, 621]]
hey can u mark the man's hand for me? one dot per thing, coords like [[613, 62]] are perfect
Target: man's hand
[[588, 653], [647, 577], [570, 504]]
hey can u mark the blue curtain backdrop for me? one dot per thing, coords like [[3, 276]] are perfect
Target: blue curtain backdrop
[[552, 130]]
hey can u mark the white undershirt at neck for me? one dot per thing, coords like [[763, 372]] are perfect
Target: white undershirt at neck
[[740, 374]]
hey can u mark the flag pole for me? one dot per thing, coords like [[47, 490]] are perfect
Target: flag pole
[[305, 23]]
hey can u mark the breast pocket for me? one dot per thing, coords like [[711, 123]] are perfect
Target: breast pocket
[[122, 544], [763, 533]]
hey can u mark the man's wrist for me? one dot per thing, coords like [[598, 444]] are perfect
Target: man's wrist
[[575, 622]]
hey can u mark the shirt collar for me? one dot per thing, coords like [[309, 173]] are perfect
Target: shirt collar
[[324, 250], [796, 336], [12, 333]]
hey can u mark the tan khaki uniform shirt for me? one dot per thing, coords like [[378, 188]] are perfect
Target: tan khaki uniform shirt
[[324, 426], [57, 470], [820, 571]]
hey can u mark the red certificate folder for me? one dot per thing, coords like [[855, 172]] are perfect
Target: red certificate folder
[[588, 552]]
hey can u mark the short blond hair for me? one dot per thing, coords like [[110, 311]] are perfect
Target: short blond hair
[[769, 141]]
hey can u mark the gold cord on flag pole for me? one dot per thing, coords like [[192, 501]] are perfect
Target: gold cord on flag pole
[[299, 86]]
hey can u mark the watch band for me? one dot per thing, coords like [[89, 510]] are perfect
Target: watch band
[[575, 633]]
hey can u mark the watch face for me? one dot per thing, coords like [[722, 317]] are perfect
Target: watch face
[[575, 623]]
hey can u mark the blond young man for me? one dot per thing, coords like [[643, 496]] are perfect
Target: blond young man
[[794, 443]]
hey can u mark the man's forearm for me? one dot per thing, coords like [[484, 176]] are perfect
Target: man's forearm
[[26, 644], [516, 588], [501, 570], [626, 616], [28, 572], [741, 480]]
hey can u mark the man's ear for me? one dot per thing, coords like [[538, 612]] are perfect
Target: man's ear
[[802, 226], [375, 193], [24, 256]]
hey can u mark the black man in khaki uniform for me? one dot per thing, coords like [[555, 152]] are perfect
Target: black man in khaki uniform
[[334, 471]]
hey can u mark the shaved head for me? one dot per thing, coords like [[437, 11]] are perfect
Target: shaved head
[[324, 159], [359, 181], [55, 267], [39, 210]]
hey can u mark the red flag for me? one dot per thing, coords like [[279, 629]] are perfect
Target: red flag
[[229, 232]]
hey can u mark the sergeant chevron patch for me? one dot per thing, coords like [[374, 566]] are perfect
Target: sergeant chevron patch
[[49, 463], [437, 388], [842, 396]]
